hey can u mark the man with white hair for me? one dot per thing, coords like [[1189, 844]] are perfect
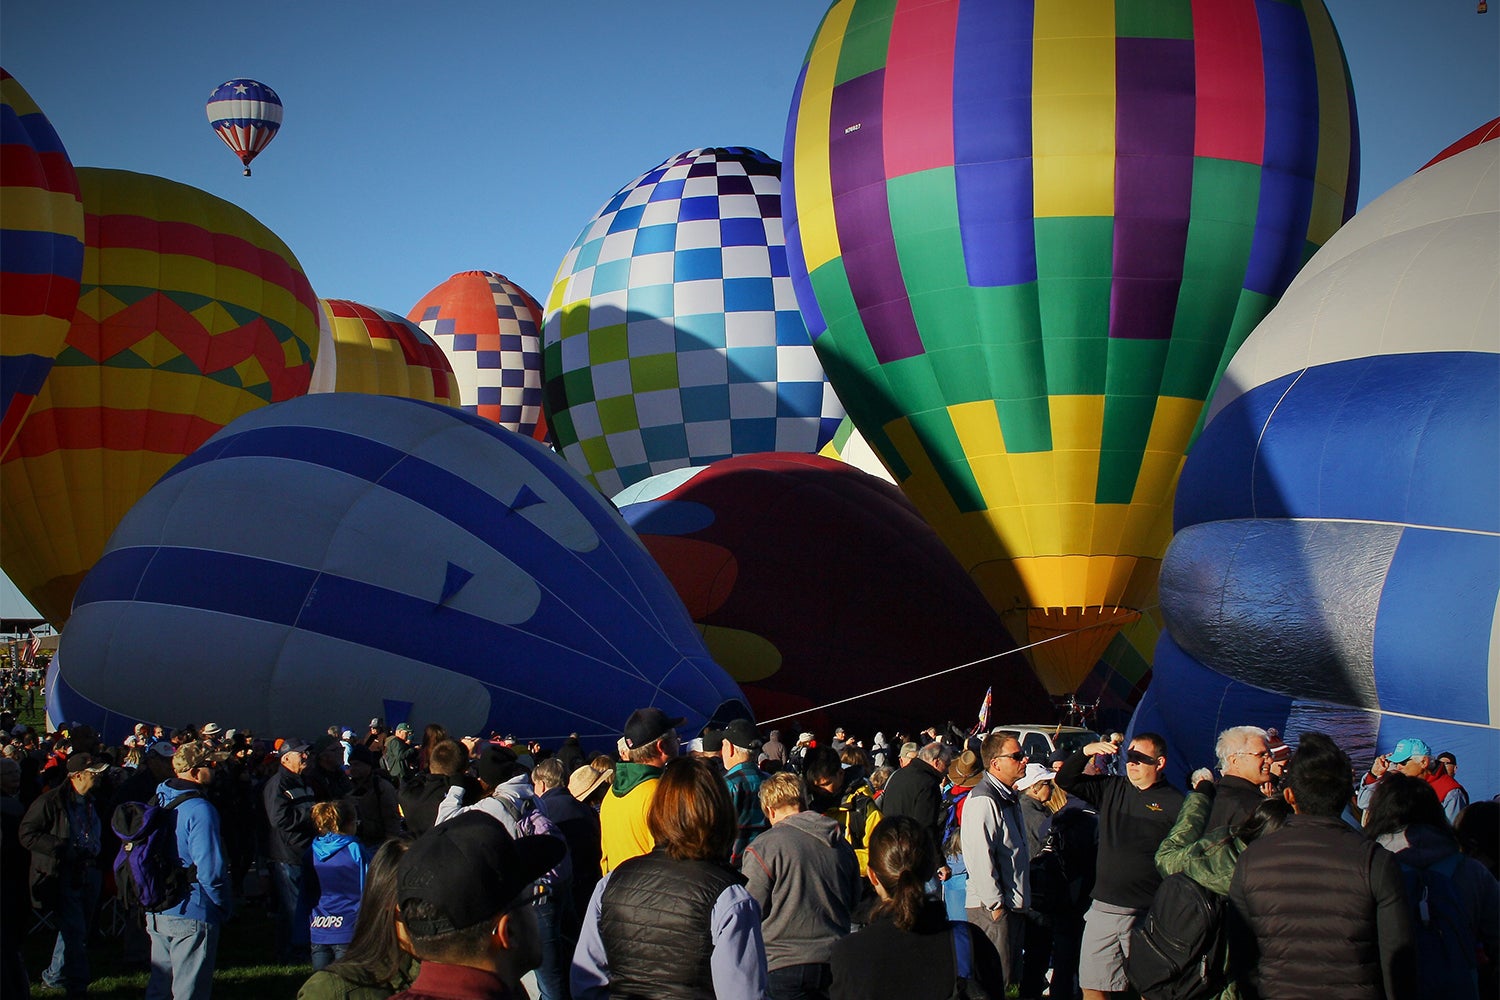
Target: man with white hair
[[917, 791], [1244, 754]]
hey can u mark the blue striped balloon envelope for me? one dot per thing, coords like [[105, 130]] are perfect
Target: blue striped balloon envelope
[[343, 556]]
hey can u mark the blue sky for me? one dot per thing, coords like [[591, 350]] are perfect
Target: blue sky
[[424, 139]]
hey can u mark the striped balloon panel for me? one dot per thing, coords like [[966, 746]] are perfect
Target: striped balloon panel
[[345, 551], [1028, 237], [671, 336], [190, 313], [41, 250], [365, 349], [491, 330]]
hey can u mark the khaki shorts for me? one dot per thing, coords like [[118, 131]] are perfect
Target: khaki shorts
[[1106, 944]]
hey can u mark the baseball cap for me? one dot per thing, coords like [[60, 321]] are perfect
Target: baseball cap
[[740, 732], [85, 762], [1034, 773], [1409, 748], [188, 757], [470, 869], [908, 750], [375, 723], [1058, 757], [291, 745], [162, 748], [1447, 757], [647, 725], [403, 727]]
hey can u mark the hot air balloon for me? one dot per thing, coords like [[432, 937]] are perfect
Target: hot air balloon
[[246, 115], [41, 251], [347, 555], [491, 330], [1337, 558], [671, 337], [790, 565], [365, 349], [191, 314], [1027, 237]]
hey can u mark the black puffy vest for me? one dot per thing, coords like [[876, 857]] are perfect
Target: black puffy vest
[[655, 924]]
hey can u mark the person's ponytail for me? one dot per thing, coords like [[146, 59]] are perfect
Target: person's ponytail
[[904, 861]]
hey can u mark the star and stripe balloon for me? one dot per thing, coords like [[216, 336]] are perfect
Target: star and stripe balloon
[[246, 114], [1027, 238]]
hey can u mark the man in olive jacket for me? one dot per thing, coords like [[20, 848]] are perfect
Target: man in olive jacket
[[1320, 909]]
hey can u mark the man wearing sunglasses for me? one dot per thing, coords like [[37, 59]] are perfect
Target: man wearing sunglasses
[[1136, 812], [993, 837]]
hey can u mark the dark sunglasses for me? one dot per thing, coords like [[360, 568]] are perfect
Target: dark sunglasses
[[1136, 757], [1018, 757]]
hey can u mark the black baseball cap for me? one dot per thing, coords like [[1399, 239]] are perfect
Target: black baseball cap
[[470, 869], [741, 733], [647, 725]]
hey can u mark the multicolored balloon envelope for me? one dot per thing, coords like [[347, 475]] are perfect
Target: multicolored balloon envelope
[[41, 251], [1337, 558], [365, 349], [246, 114], [1027, 238], [346, 556], [191, 313], [672, 336], [491, 330], [813, 582]]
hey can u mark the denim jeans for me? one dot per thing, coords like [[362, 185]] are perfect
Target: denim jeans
[[799, 982], [553, 920], [75, 907], [291, 926], [324, 955], [182, 957]]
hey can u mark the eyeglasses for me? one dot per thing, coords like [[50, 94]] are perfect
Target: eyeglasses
[[1136, 757], [1246, 753], [1017, 757]]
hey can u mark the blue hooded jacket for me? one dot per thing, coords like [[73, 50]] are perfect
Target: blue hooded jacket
[[199, 843], [338, 879]]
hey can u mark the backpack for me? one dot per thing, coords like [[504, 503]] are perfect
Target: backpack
[[1050, 894], [149, 874], [1446, 945], [964, 986], [1178, 951]]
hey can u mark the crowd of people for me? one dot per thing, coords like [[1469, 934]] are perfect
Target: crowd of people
[[729, 863]]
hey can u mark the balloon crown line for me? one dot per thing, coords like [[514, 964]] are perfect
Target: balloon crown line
[[1122, 619]]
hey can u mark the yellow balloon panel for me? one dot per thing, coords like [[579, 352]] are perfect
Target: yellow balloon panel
[[370, 350]]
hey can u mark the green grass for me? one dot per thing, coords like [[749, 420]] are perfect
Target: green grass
[[241, 971]]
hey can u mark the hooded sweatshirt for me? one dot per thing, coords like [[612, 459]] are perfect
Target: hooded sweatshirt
[[623, 833], [198, 843], [804, 875], [338, 880]]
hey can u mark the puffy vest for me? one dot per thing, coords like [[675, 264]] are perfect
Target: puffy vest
[[656, 927]]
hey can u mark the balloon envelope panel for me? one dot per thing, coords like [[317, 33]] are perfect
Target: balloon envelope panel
[[1026, 238], [491, 330], [1338, 543], [191, 313], [365, 349], [793, 567], [348, 555], [41, 251], [672, 336]]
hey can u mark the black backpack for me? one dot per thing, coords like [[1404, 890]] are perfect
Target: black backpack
[[149, 874], [1177, 952], [1447, 945]]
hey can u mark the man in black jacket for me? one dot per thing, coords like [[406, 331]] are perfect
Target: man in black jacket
[[289, 801], [917, 791], [1136, 812], [1244, 754], [62, 831], [1320, 909]]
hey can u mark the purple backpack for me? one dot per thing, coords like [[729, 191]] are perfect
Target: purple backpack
[[149, 875]]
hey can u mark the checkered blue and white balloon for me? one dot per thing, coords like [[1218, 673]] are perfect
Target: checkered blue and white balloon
[[671, 337]]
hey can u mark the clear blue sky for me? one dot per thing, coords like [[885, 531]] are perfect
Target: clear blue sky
[[426, 138]]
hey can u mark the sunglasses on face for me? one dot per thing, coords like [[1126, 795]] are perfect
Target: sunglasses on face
[[1136, 757], [1017, 757]]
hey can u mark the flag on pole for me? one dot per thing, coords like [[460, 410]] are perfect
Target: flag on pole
[[33, 647], [984, 713]]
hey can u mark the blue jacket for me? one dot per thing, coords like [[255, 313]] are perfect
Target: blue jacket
[[338, 879], [199, 843]]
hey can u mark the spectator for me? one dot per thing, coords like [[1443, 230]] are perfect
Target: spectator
[[15, 910], [774, 750], [677, 921], [737, 750], [374, 966], [1413, 757], [579, 826], [650, 741], [588, 785], [853, 809], [1136, 812], [185, 939], [917, 791], [994, 846], [1245, 766], [907, 755], [1321, 910], [375, 738], [396, 759], [289, 801], [62, 831], [803, 874], [457, 888], [333, 880], [423, 791], [1478, 831], [908, 948]]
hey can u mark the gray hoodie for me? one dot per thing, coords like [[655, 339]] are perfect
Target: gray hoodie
[[803, 874]]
